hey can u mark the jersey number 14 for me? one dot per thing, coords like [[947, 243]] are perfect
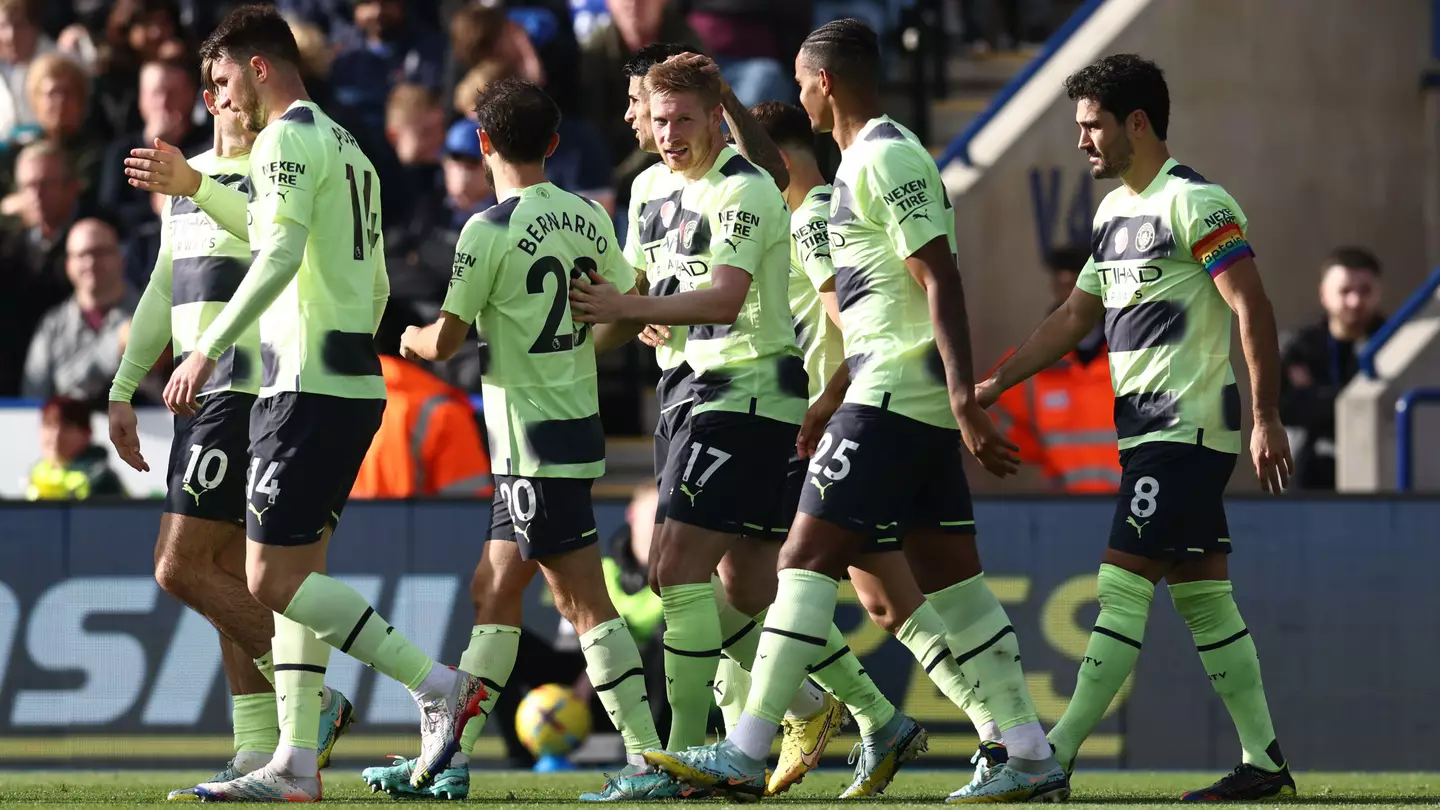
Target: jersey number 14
[[366, 221]]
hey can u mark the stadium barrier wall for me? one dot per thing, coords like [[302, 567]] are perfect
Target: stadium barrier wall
[[1252, 85], [98, 667]]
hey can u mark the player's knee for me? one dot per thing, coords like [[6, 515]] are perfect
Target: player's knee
[[271, 588], [496, 600], [885, 614], [811, 557], [175, 576]]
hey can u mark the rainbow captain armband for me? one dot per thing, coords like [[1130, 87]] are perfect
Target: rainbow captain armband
[[1221, 248]]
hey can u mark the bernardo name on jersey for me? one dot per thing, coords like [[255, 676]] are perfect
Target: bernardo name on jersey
[[512, 272], [1153, 262]]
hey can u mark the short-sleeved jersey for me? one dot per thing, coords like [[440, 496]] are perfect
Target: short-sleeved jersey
[[512, 271], [735, 216], [1154, 257], [318, 336], [645, 248], [810, 269], [887, 203], [207, 264]]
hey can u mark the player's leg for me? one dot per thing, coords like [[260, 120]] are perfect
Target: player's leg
[[887, 590], [306, 451], [856, 489], [727, 477], [1204, 596], [671, 430]]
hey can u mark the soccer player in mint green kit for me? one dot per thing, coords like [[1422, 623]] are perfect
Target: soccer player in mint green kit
[[200, 556], [888, 464], [512, 272], [317, 286], [1170, 261], [883, 582]]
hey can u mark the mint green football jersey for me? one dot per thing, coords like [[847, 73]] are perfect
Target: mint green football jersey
[[203, 264], [512, 272], [887, 203], [735, 216], [319, 335], [1154, 258], [645, 249], [811, 269]]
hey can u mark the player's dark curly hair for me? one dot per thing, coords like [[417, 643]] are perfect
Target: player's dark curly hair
[[652, 55], [252, 30], [1121, 84], [847, 49], [519, 118], [786, 124]]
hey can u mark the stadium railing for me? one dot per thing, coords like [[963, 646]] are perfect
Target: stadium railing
[[1404, 432], [959, 148], [1409, 309]]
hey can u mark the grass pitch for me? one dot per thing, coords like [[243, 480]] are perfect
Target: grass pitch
[[918, 788]]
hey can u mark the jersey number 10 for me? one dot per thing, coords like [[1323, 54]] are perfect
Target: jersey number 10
[[366, 222]]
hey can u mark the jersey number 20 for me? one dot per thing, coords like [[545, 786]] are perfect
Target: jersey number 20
[[550, 339]]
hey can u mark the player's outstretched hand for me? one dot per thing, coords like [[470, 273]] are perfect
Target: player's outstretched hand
[[408, 342], [1270, 451], [125, 436], [987, 393], [654, 335], [595, 300], [184, 387], [163, 170], [813, 426], [984, 441]]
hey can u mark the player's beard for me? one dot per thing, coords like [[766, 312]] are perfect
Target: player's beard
[[489, 175], [247, 101], [1115, 164]]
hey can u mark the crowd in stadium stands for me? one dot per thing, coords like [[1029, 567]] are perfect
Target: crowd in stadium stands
[[86, 81]]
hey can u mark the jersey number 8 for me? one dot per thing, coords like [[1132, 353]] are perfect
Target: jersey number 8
[[550, 339]]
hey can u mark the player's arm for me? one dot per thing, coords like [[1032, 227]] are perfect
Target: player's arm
[[751, 140], [149, 335], [164, 170], [1242, 289], [902, 191], [282, 228], [1055, 337], [380, 288], [742, 213], [478, 257], [615, 266]]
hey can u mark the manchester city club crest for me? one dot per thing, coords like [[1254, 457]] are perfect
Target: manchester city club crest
[[1145, 237], [1122, 238], [687, 233]]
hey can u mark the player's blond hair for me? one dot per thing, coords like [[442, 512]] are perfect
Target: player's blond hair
[[672, 76]]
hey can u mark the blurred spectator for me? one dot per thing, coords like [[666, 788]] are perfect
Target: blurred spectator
[[71, 465], [167, 96], [633, 24], [1320, 359], [20, 42], [387, 48], [58, 90], [316, 55], [479, 27], [142, 243], [429, 440], [472, 84], [754, 42], [580, 163], [1063, 418], [76, 351], [1020, 24], [136, 32], [32, 252], [333, 18], [415, 127]]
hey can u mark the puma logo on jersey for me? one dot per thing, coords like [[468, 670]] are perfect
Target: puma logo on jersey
[[820, 486], [192, 493], [685, 490], [522, 532], [259, 513], [1139, 527]]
